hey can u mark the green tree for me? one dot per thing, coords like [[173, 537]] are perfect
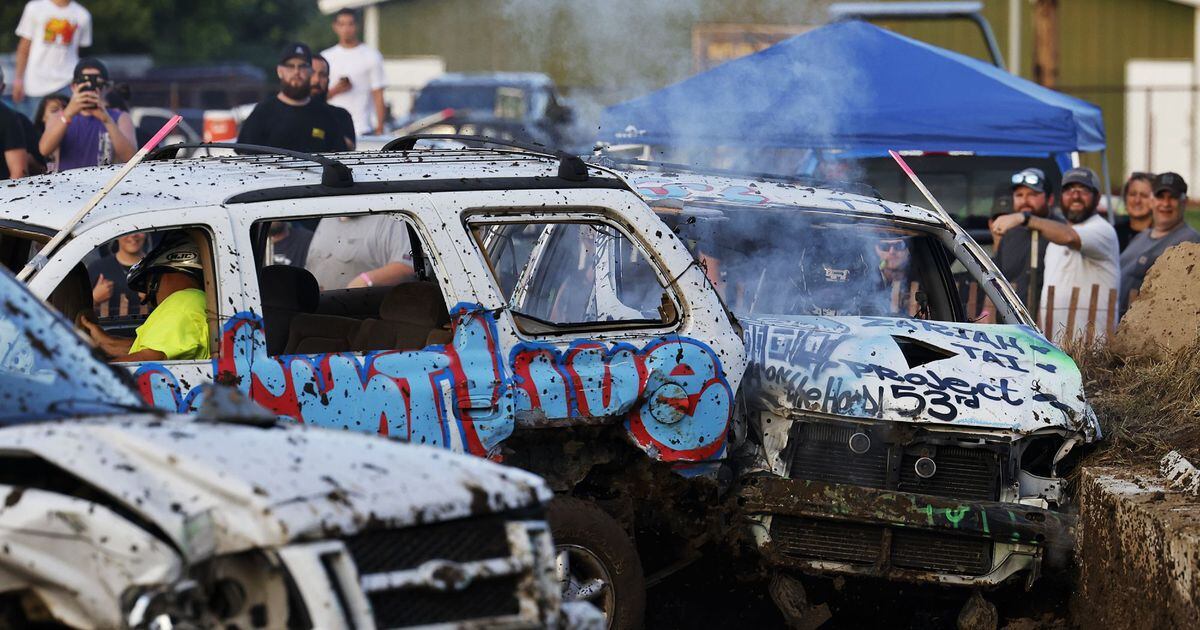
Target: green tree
[[192, 31]]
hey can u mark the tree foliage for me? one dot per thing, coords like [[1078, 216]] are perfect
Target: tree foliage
[[192, 31]]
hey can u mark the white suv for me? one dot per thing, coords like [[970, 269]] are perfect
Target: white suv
[[552, 321]]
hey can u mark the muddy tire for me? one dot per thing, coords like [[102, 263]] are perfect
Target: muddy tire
[[598, 561]]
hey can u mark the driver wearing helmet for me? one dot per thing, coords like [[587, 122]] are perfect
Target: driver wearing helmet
[[170, 278], [836, 279]]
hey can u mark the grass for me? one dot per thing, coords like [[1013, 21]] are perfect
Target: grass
[[1146, 405], [1192, 216]]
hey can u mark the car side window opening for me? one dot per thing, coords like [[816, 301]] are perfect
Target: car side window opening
[[776, 263], [347, 283], [118, 311], [560, 274]]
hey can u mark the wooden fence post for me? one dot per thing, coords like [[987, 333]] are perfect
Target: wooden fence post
[[1091, 314]]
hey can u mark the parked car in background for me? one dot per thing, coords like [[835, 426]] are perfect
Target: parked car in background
[[120, 515], [521, 106]]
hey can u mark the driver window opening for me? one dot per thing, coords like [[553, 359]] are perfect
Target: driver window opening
[[146, 296], [347, 284], [559, 275]]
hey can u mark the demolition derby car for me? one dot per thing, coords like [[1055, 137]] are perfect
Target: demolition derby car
[[550, 320], [906, 420], [120, 515]]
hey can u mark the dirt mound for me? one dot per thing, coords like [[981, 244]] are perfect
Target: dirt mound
[[1166, 315]]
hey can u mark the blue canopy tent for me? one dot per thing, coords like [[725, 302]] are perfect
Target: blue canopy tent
[[853, 85], [858, 88]]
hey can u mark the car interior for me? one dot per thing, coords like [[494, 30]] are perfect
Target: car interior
[[299, 318]]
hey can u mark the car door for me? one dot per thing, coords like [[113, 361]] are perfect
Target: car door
[[68, 280], [414, 359], [606, 316]]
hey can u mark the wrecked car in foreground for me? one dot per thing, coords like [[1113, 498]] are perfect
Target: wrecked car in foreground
[[893, 430], [118, 515]]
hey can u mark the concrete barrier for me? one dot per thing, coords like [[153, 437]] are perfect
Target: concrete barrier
[[1138, 547]]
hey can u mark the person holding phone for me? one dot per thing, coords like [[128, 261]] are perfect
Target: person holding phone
[[89, 132]]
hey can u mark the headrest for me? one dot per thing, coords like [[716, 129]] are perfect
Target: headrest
[[415, 303], [288, 288]]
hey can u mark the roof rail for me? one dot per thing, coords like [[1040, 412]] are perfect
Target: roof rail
[[333, 173], [570, 167], [858, 188]]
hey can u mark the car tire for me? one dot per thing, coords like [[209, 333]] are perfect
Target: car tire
[[596, 547]]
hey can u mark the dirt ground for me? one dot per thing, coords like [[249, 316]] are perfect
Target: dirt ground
[[1167, 312], [706, 595]]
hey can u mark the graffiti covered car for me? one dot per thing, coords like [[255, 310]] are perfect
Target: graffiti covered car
[[906, 419], [545, 318], [120, 515]]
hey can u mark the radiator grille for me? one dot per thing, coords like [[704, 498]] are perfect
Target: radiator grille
[[826, 540], [400, 549], [940, 552], [482, 599], [822, 453], [854, 543]]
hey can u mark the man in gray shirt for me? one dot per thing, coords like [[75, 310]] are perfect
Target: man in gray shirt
[[1170, 198], [361, 251]]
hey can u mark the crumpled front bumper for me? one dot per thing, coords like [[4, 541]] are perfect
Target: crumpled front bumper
[[839, 528]]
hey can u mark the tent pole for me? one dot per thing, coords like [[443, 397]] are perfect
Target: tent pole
[[1112, 210]]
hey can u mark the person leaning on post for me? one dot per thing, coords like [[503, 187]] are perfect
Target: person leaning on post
[[1030, 192], [1170, 201], [1082, 254]]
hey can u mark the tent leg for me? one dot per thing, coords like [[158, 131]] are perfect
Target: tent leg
[[1112, 210]]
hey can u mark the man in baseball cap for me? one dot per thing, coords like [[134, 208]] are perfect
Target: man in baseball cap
[[1170, 200], [291, 119], [296, 50], [1031, 193], [1082, 254]]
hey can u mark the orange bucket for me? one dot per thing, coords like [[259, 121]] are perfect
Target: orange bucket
[[219, 126]]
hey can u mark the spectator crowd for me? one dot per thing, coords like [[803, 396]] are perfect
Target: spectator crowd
[[1076, 270]]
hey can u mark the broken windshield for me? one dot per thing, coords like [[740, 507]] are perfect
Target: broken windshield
[[787, 262], [46, 371]]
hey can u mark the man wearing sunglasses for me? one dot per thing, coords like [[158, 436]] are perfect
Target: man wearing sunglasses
[[89, 132], [1031, 194], [1082, 254], [291, 119]]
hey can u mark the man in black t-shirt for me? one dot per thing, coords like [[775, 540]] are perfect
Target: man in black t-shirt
[[292, 119], [320, 92], [12, 141]]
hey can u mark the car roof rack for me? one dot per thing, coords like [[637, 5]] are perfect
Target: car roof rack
[[570, 167], [333, 173], [857, 188]]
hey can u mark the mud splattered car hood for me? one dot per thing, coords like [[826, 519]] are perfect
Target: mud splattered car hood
[[997, 377], [220, 488]]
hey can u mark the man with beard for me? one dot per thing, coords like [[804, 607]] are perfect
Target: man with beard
[[1031, 193], [1082, 254], [292, 119], [320, 92]]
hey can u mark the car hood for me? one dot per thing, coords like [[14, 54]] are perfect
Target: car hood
[[216, 488], [981, 376]]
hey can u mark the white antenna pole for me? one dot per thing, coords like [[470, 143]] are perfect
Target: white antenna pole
[[963, 238]]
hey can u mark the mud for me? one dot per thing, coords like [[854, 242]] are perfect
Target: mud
[[1168, 298], [1138, 549]]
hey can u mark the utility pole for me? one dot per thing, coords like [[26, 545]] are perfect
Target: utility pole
[[1045, 42]]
